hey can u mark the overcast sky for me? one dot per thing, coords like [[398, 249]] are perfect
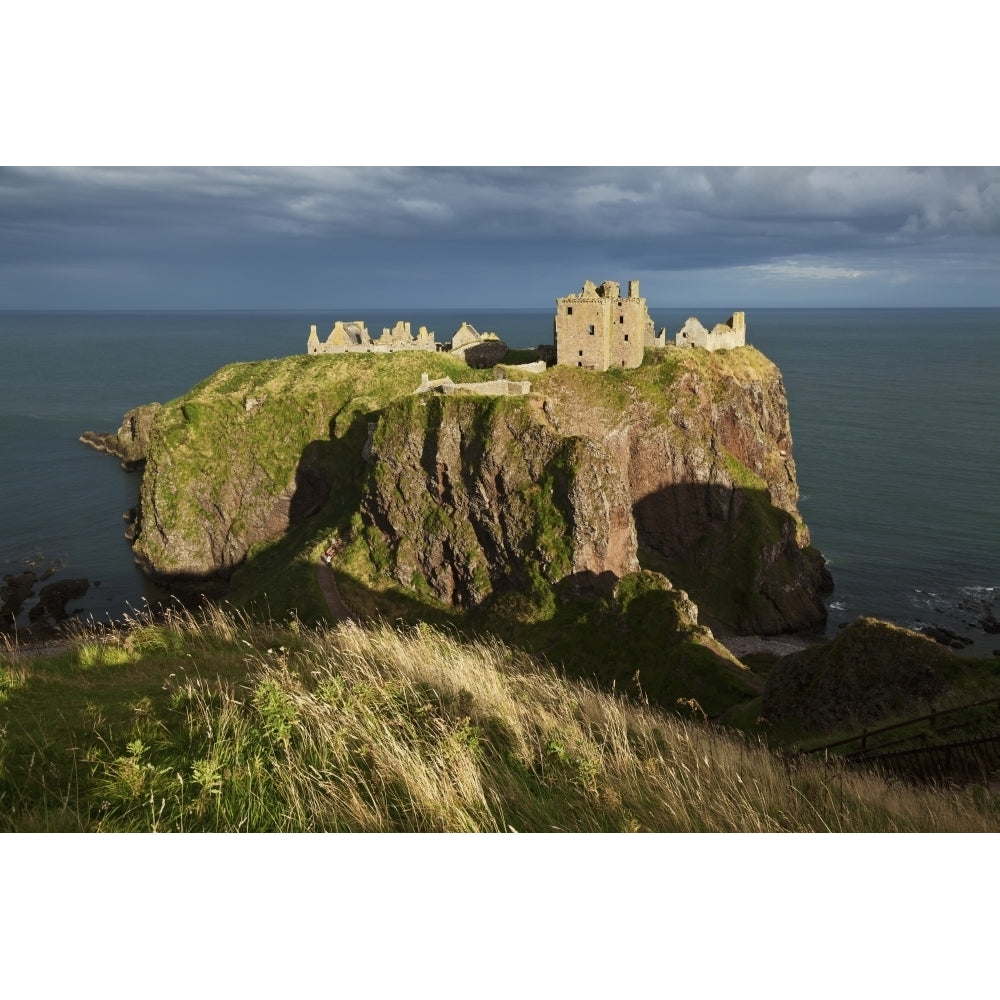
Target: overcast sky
[[289, 238], [397, 82]]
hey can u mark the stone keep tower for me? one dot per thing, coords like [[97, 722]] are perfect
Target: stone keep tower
[[601, 329]]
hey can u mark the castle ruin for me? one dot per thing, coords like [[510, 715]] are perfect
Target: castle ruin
[[723, 336], [597, 329], [353, 336], [601, 329]]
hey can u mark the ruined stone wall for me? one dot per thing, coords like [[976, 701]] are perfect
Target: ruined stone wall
[[398, 336], [581, 331], [535, 367], [723, 336], [497, 387], [353, 337], [630, 327]]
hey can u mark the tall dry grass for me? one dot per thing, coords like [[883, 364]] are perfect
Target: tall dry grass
[[379, 728]]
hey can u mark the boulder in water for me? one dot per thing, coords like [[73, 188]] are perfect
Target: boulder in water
[[53, 598]]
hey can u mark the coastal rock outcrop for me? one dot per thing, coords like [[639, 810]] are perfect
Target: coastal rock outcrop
[[683, 464], [704, 445], [53, 598], [14, 591], [131, 441], [869, 671]]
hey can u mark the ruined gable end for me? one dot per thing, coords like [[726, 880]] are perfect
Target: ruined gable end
[[723, 336]]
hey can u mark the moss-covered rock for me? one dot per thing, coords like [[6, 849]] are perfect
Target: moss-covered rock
[[871, 670], [473, 495], [130, 442], [255, 449]]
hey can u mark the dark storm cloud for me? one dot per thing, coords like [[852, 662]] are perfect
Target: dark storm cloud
[[259, 236]]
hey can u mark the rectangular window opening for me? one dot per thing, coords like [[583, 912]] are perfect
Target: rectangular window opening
[[569, 310], [592, 330], [626, 336]]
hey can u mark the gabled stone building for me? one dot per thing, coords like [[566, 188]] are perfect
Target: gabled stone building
[[723, 336], [601, 329]]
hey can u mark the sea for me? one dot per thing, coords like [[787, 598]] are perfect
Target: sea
[[895, 417]]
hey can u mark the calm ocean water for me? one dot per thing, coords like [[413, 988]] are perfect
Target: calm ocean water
[[895, 419]]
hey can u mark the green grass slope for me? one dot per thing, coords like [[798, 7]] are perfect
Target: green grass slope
[[219, 724]]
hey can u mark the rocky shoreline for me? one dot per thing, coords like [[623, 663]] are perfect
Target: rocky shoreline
[[50, 608], [774, 645]]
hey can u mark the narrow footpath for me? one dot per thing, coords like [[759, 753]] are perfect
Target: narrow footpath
[[331, 593]]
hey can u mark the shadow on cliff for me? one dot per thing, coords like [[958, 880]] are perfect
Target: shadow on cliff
[[278, 578], [736, 554], [272, 579], [729, 548]]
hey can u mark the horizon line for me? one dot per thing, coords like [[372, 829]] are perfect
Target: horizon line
[[441, 308]]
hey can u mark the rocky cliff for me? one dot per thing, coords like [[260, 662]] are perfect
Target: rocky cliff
[[130, 442], [684, 464], [469, 495], [703, 444]]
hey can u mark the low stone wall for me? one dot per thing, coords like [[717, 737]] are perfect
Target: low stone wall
[[496, 387], [534, 367]]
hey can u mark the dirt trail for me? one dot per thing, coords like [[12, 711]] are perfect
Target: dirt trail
[[331, 593]]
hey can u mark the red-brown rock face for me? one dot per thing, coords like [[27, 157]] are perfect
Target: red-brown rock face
[[705, 448]]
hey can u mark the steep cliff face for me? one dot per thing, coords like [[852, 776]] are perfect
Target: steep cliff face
[[467, 496], [688, 460], [702, 442], [252, 451]]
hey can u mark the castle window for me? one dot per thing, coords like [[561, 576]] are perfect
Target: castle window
[[621, 319], [626, 336], [581, 354], [579, 364], [592, 329], [569, 310]]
